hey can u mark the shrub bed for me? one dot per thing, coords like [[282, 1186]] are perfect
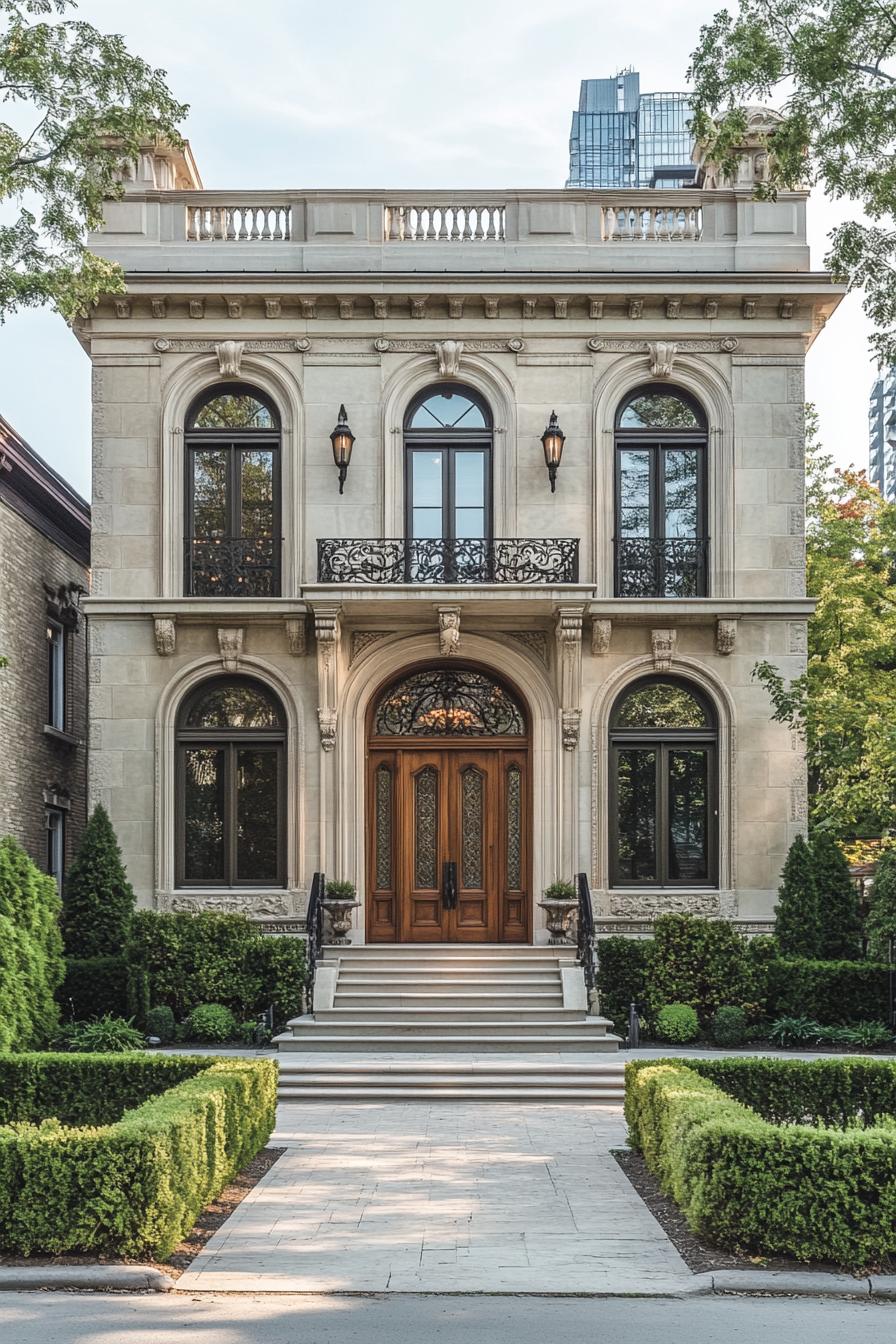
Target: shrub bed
[[183, 960], [829, 992], [136, 1185], [747, 1182], [94, 986]]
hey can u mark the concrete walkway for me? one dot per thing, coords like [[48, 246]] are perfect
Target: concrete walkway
[[442, 1197]]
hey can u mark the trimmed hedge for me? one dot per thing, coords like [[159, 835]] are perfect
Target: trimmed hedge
[[746, 1183], [623, 969], [83, 1089], [185, 959], [134, 1187], [94, 986], [830, 992], [837, 1092]]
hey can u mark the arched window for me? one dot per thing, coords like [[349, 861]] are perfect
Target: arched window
[[448, 702], [661, 541], [233, 494], [231, 748], [448, 485], [663, 787]]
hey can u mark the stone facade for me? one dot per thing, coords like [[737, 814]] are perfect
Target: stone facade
[[44, 571], [538, 301]]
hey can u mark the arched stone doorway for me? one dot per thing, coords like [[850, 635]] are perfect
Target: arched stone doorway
[[448, 809]]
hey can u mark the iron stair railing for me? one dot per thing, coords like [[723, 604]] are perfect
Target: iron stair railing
[[585, 953], [314, 928]]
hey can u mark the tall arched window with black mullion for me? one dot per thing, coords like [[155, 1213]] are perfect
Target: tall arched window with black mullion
[[232, 546], [664, 806], [661, 542], [231, 786]]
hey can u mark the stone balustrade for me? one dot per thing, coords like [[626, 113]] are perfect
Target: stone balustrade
[[239, 223], [447, 223], [635, 222]]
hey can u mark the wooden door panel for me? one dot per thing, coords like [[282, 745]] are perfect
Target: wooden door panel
[[513, 847], [423, 809], [472, 829]]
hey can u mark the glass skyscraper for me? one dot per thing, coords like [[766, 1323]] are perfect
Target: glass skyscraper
[[882, 434], [621, 137]]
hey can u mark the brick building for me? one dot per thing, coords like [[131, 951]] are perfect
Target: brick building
[[44, 570]]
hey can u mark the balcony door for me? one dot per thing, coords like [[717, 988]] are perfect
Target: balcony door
[[661, 543], [448, 486], [448, 831]]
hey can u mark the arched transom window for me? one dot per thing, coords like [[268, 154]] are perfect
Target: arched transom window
[[231, 747], [233, 495], [448, 484], [663, 787], [661, 543], [448, 702]]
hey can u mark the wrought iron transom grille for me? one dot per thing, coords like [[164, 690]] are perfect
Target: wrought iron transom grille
[[448, 702]]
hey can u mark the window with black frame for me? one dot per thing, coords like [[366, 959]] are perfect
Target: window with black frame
[[661, 542], [232, 544], [448, 485], [231, 786], [663, 787]]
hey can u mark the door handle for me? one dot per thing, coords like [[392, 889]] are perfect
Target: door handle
[[449, 885]]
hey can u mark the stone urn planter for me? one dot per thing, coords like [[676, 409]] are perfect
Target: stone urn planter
[[339, 902], [559, 903]]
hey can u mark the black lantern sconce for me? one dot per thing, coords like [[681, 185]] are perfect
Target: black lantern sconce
[[342, 439], [552, 441]]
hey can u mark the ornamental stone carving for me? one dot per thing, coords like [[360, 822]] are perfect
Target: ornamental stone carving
[[196, 308], [569, 673], [327, 632], [346, 308], [534, 640], [159, 307], [561, 307], [601, 634], [362, 639], [166, 635], [529, 307], [491, 307], [663, 643], [635, 309], [230, 356], [748, 309], [418, 305], [327, 720], [230, 645], [122, 308], [308, 307], [229, 905], [700, 345], [272, 308], [455, 306], [596, 309], [726, 635], [711, 309], [380, 306], [673, 309], [570, 723], [785, 309], [449, 630], [234, 307], [295, 636], [662, 358], [448, 354]]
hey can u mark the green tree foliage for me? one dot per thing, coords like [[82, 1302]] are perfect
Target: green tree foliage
[[703, 963], [99, 899], [31, 963], [844, 704], [881, 922], [797, 924], [78, 106], [838, 901], [831, 65]]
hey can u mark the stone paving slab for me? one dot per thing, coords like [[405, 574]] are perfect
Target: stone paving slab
[[442, 1197]]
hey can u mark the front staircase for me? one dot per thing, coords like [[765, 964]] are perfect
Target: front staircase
[[387, 1021]]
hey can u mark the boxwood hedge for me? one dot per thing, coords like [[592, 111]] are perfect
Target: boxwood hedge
[[744, 1182], [119, 1154]]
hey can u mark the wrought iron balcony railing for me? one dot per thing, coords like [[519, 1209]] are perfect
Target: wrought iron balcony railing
[[464, 560], [648, 567], [232, 567]]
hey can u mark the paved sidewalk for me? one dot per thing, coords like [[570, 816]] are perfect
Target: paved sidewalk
[[443, 1197]]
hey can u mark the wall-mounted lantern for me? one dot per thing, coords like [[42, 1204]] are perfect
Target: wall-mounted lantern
[[552, 441], [342, 439]]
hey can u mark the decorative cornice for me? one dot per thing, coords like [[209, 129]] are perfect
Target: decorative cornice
[[172, 345], [701, 345], [386, 346]]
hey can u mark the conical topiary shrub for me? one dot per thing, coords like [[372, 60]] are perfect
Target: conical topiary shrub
[[840, 925], [98, 900], [796, 914]]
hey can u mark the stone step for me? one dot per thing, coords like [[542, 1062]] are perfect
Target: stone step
[[449, 966], [465, 998], [455, 1014], [311, 1041], [429, 1066], [410, 979], [606, 1096], [412, 950]]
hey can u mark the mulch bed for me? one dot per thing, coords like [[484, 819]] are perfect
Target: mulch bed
[[699, 1256], [207, 1224]]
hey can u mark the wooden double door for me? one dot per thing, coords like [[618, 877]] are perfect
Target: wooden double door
[[448, 843]]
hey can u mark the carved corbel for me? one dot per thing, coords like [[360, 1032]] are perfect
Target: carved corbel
[[569, 670], [159, 307], [673, 309], [561, 307], [122, 308], [418, 305], [664, 643], [711, 309], [492, 308], [448, 354], [166, 635], [596, 309], [529, 307], [346, 308], [230, 356], [662, 358], [726, 635], [635, 309], [449, 630], [196, 308], [380, 306], [601, 634], [234, 307], [295, 636], [230, 645], [455, 306], [748, 309], [272, 308], [327, 632], [309, 308]]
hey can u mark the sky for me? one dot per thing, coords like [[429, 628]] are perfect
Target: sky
[[475, 93]]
